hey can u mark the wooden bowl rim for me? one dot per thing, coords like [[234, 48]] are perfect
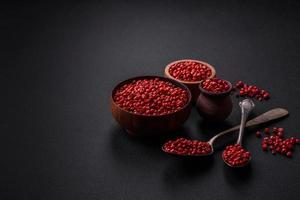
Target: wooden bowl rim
[[213, 70], [149, 77], [216, 94]]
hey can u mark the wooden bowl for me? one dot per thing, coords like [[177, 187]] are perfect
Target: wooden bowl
[[192, 85], [214, 107], [137, 124]]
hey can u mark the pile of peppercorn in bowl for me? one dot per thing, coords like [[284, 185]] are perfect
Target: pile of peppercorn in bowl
[[149, 105]]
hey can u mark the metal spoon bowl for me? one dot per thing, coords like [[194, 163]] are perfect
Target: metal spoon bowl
[[246, 106], [237, 166]]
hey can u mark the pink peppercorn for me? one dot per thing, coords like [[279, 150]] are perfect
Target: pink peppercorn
[[280, 134], [277, 144], [267, 130], [289, 154], [252, 91], [258, 134], [182, 146], [235, 155], [264, 146], [215, 85], [150, 97], [190, 71], [274, 129], [240, 84]]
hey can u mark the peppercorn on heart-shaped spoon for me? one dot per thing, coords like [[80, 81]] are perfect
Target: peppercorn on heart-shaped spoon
[[268, 116], [236, 155]]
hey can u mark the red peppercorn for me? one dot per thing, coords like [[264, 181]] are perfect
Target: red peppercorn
[[252, 91], [235, 155], [184, 146], [280, 134], [190, 71], [264, 146], [150, 97], [239, 84], [289, 154], [283, 151], [277, 144], [258, 134], [267, 130], [215, 85]]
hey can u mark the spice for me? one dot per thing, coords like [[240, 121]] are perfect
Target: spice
[[235, 155], [215, 85], [277, 144], [252, 91], [258, 134], [190, 71], [183, 146], [267, 130], [151, 97]]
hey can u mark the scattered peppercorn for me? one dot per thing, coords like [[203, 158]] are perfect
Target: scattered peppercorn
[[277, 144], [190, 71], [236, 155], [267, 130], [252, 91], [258, 134], [151, 97], [182, 146], [289, 154]]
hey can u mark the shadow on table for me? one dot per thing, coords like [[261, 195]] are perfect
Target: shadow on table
[[209, 129], [128, 148], [153, 140], [238, 176], [186, 169]]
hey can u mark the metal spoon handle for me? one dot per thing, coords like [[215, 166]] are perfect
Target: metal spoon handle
[[270, 115], [212, 140], [247, 106]]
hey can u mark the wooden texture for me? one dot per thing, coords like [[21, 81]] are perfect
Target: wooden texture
[[268, 116], [137, 124]]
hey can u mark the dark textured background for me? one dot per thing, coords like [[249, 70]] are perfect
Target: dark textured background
[[59, 63]]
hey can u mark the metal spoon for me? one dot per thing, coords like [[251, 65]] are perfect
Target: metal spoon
[[247, 106], [268, 116]]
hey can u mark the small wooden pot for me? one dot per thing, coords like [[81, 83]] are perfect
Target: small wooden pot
[[214, 107], [137, 124], [192, 85]]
